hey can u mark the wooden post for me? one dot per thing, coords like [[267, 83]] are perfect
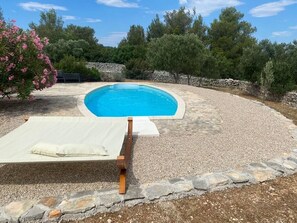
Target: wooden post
[[124, 160]]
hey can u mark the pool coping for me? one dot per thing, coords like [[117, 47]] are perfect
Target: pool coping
[[181, 106]]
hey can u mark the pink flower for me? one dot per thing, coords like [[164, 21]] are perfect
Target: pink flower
[[11, 77], [47, 60], [40, 56], [24, 46], [45, 72], [19, 38], [15, 29], [13, 21], [33, 33], [36, 84], [43, 81], [24, 37], [24, 70], [10, 66]]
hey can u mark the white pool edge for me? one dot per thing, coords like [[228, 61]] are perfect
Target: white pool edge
[[181, 106]]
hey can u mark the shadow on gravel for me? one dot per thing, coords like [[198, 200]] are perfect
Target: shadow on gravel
[[41, 106]]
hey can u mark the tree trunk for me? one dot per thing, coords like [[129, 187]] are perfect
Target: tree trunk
[[189, 79], [176, 77]]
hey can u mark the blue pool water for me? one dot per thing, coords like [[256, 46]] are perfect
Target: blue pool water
[[122, 100]]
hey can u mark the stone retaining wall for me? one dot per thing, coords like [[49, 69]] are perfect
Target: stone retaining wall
[[290, 99], [109, 71], [161, 76]]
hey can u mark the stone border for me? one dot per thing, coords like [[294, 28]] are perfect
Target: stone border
[[181, 106], [84, 204]]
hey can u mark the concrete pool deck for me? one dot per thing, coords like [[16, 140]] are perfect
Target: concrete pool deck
[[219, 131]]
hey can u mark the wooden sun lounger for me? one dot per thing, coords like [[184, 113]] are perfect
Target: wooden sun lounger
[[76, 130]]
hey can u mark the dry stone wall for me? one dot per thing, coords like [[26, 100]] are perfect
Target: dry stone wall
[[109, 71], [165, 77], [162, 76], [290, 99]]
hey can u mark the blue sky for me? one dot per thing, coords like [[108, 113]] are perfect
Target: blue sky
[[111, 19]]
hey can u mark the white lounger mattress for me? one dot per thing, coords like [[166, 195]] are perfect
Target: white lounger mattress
[[15, 147]]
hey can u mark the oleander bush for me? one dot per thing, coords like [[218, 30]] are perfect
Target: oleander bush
[[24, 66]]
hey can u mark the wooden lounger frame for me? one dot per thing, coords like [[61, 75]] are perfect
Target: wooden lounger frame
[[124, 160]]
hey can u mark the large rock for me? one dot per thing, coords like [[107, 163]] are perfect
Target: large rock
[[3, 217], [181, 186], [50, 202], [78, 205], [35, 213], [238, 176], [261, 173], [276, 164], [201, 184], [211, 181], [133, 193], [108, 199], [17, 208], [157, 190]]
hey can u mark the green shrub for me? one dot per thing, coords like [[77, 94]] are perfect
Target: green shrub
[[70, 64], [136, 69], [267, 76], [119, 77], [283, 79], [177, 55]]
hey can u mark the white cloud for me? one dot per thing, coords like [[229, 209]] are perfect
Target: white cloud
[[36, 6], [118, 3], [206, 7], [271, 8], [281, 34], [91, 20], [182, 2], [69, 17], [293, 27], [113, 39]]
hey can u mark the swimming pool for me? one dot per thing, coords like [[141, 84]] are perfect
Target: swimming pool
[[121, 100]]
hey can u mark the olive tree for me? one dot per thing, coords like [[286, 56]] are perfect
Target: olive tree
[[177, 54]]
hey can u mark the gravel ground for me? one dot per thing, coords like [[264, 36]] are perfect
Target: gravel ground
[[225, 132]]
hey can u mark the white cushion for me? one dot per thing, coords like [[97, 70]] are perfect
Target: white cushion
[[68, 150]]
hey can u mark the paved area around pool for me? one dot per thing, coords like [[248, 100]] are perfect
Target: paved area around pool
[[219, 131]]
